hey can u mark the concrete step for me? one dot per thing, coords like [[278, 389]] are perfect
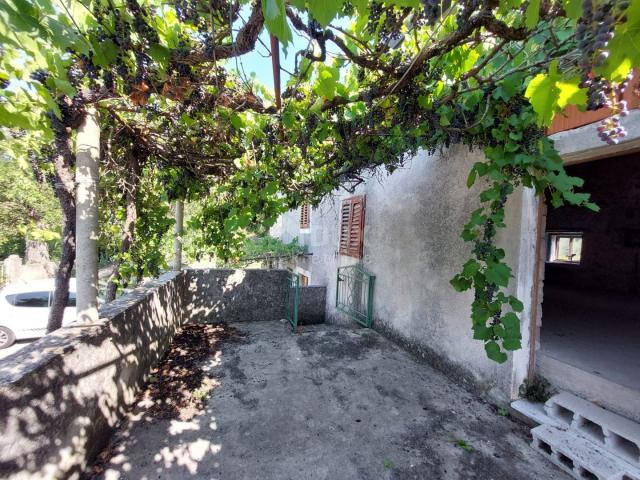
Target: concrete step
[[613, 396], [579, 456], [614, 433]]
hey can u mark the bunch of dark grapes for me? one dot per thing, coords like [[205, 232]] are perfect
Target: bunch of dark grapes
[[375, 12], [466, 9], [432, 11], [611, 130], [107, 80], [186, 10], [142, 67], [122, 37], [593, 32], [209, 44], [4, 83], [40, 75]]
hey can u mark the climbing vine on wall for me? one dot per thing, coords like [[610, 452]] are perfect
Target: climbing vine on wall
[[379, 81]]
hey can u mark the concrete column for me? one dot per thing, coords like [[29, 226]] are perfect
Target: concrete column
[[177, 243], [87, 159]]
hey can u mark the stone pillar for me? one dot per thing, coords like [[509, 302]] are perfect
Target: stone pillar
[[177, 243], [87, 159]]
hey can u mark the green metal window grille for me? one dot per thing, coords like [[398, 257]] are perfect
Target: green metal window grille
[[293, 300], [354, 294]]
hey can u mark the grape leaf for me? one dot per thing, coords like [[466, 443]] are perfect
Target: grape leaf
[[324, 10], [275, 19]]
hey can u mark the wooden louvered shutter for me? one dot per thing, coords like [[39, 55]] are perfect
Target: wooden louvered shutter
[[352, 226], [304, 216]]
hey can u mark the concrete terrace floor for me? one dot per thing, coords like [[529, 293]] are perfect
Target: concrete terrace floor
[[327, 403]]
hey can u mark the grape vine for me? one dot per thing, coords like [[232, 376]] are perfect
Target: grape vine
[[389, 79]]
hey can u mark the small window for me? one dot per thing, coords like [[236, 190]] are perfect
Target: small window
[[31, 299], [72, 299], [351, 241], [305, 216], [565, 248]]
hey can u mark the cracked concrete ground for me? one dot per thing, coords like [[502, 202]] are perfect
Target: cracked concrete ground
[[327, 403]]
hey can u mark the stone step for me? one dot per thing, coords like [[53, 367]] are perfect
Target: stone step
[[580, 457], [616, 434]]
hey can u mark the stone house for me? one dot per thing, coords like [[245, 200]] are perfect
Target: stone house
[[578, 273]]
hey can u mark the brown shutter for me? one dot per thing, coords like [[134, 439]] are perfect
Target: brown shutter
[[345, 217], [352, 226], [304, 216]]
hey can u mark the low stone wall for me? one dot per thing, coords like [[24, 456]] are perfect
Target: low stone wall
[[237, 295], [61, 396], [313, 302]]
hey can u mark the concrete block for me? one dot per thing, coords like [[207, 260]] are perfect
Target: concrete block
[[617, 434], [534, 413], [580, 457]]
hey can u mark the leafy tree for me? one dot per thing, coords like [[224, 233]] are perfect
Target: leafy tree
[[258, 247], [28, 210]]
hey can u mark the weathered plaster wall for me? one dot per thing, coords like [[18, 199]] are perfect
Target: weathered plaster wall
[[236, 295], [412, 244]]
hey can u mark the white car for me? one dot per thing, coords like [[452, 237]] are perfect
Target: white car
[[24, 309]]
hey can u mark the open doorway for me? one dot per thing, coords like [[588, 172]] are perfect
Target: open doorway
[[590, 333]]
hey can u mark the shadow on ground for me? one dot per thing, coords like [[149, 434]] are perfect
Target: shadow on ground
[[327, 403]]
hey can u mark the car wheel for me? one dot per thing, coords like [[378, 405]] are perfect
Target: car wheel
[[7, 337]]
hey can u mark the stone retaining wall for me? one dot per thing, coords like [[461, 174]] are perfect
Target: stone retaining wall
[[237, 295], [313, 301]]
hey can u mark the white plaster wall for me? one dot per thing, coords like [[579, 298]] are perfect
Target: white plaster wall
[[412, 244]]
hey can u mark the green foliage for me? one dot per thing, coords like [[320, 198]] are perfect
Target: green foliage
[[153, 244], [536, 390], [463, 445], [259, 247], [28, 210]]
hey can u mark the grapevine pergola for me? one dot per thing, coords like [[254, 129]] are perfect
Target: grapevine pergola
[[378, 81]]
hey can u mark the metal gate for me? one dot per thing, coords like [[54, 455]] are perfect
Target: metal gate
[[293, 300], [354, 294]]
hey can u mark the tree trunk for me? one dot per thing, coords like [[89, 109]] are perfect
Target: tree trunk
[[87, 170], [128, 234], [65, 191], [127, 238]]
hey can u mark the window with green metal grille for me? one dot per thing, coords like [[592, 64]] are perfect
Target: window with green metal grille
[[354, 294]]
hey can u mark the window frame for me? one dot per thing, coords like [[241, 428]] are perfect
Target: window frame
[[553, 239]]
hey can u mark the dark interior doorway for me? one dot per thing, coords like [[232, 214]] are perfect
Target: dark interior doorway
[[591, 295]]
